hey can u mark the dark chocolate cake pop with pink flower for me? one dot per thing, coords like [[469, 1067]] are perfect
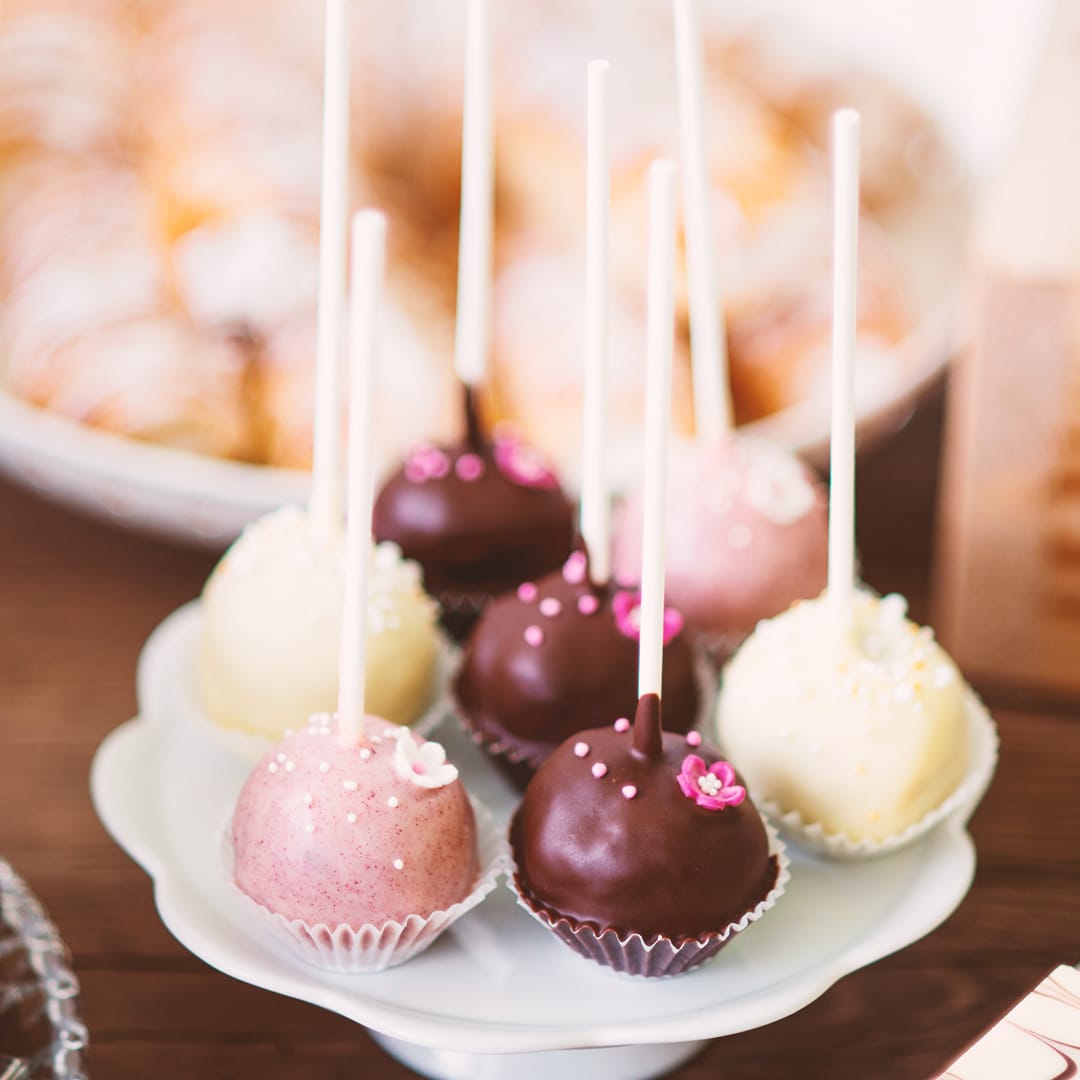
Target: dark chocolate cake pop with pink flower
[[641, 848], [559, 655], [479, 518]]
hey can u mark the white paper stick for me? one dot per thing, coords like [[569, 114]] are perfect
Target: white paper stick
[[661, 331], [368, 259], [845, 132], [708, 341], [473, 326], [325, 505], [595, 496]]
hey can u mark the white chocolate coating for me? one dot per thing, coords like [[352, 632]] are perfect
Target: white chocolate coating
[[271, 630], [862, 730]]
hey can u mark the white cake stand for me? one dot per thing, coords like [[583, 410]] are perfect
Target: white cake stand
[[497, 996]]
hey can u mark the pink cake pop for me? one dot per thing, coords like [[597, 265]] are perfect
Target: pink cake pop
[[354, 835], [358, 842], [747, 531]]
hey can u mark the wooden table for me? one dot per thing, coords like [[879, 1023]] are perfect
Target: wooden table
[[77, 600]]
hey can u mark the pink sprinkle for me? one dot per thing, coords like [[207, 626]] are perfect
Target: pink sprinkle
[[470, 467], [573, 569], [527, 592], [418, 768], [550, 607], [693, 738], [622, 724], [581, 749], [588, 604], [534, 636], [599, 770], [629, 791]]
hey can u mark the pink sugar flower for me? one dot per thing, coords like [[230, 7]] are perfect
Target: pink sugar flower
[[627, 609], [523, 465], [426, 462], [712, 788]]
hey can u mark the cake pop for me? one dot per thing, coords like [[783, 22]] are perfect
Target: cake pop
[[843, 713], [485, 515], [271, 612], [747, 532], [523, 686], [357, 840], [637, 848]]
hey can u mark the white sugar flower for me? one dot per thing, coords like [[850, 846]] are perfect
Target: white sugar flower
[[424, 765]]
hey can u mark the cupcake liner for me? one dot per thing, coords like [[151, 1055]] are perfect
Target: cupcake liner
[[372, 948], [662, 957], [813, 837], [460, 612], [250, 747], [518, 763]]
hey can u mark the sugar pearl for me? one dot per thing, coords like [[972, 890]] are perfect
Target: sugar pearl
[[693, 738], [588, 604], [581, 749], [550, 607], [527, 592], [622, 725], [629, 791], [534, 636], [599, 770]]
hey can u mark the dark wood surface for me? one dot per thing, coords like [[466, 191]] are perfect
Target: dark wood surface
[[77, 600]]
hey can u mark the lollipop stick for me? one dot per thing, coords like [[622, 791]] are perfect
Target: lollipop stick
[[595, 498], [477, 202], [325, 506], [661, 320], [712, 390], [845, 282], [368, 257]]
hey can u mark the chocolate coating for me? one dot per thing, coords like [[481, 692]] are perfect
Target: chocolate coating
[[475, 529], [653, 864], [520, 700]]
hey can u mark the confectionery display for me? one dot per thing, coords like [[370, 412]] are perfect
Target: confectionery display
[[270, 632], [196, 131], [559, 655], [862, 728], [750, 536]]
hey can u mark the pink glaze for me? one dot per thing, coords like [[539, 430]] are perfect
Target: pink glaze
[[747, 534], [344, 838]]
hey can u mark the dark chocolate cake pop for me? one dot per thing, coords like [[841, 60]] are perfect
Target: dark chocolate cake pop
[[479, 518], [641, 849], [560, 655]]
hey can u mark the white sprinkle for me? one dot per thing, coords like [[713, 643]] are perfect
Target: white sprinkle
[[392, 802], [324, 766], [309, 828], [399, 864], [272, 766], [290, 766], [942, 676], [581, 749], [281, 758], [349, 785], [350, 817], [365, 754]]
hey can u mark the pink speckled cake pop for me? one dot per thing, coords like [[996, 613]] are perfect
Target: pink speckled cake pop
[[747, 535], [357, 841], [358, 835], [747, 532]]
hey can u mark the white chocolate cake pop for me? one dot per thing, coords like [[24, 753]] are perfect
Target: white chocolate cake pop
[[861, 728], [271, 630]]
